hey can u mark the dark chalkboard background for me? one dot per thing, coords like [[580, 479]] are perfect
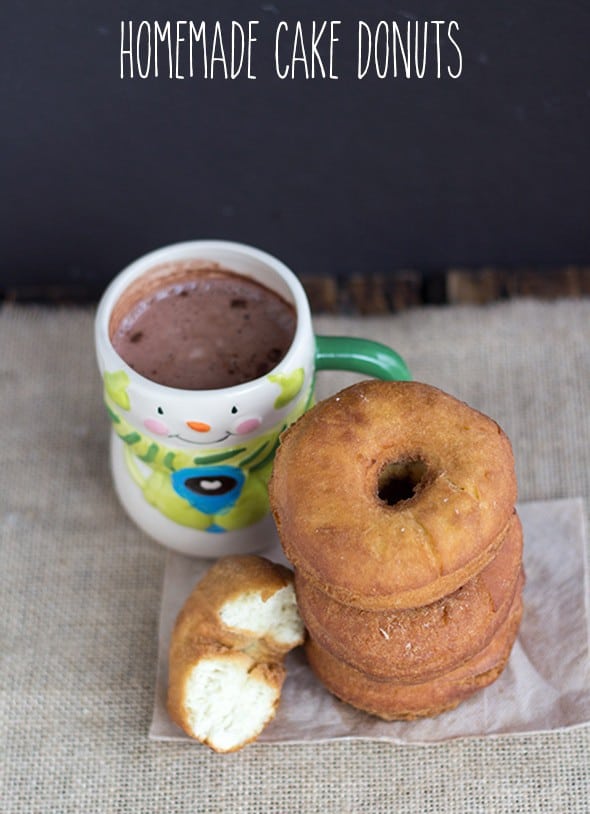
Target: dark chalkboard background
[[336, 177]]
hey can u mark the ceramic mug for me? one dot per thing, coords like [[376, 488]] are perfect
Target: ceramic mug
[[205, 493]]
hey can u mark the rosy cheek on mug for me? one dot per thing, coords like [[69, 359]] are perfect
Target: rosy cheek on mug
[[246, 425], [155, 426]]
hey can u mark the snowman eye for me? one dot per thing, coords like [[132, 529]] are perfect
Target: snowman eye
[[160, 411], [234, 409]]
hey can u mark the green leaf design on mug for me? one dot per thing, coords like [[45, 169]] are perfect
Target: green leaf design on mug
[[290, 384], [115, 385]]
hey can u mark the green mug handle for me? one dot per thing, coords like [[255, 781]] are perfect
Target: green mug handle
[[360, 356]]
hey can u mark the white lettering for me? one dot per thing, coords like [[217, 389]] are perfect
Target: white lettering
[[126, 52], [144, 26], [382, 27], [179, 39], [315, 39], [251, 40], [218, 46], [162, 35], [397, 39], [198, 35], [364, 35], [302, 49], [299, 46], [237, 32], [282, 26], [437, 24], [423, 44], [420, 71], [311, 48], [450, 36], [333, 40]]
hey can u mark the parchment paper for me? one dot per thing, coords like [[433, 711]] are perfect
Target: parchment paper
[[546, 685]]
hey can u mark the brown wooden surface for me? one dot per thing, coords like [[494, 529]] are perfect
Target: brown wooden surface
[[383, 292]]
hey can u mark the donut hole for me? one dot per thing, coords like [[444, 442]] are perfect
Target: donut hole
[[399, 481]]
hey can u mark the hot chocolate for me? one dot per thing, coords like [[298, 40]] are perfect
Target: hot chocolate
[[197, 326]]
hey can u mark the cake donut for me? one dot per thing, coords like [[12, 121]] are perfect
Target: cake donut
[[225, 663], [391, 495], [392, 701], [245, 603], [421, 643]]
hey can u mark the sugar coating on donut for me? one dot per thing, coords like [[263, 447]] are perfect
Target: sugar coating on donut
[[423, 642], [391, 700]]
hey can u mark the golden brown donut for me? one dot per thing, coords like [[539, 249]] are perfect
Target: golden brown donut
[[418, 643], [220, 696], [225, 669], [392, 494], [244, 602], [393, 701]]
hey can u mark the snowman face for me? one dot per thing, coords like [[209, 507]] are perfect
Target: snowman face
[[223, 426], [227, 420]]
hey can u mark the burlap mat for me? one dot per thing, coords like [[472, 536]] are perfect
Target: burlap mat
[[80, 587]]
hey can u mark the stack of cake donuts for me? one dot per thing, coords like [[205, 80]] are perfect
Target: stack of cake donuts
[[395, 503]]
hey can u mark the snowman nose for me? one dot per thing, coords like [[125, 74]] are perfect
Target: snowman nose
[[198, 426]]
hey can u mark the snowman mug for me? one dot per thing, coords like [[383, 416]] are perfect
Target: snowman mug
[[191, 467]]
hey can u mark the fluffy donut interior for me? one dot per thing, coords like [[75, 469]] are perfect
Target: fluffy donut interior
[[399, 481], [227, 703], [275, 617]]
